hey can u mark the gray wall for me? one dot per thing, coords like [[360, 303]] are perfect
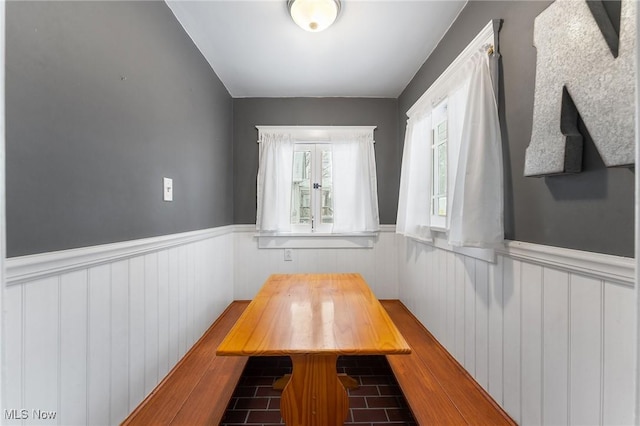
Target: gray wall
[[249, 112], [591, 211], [104, 99]]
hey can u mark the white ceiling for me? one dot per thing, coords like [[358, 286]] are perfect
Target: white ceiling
[[373, 49]]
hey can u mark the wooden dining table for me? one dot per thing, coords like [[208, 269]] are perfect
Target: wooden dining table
[[313, 319]]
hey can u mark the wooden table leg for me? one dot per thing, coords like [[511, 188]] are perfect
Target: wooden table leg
[[347, 381], [314, 395]]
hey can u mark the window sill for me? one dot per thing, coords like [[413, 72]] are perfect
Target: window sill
[[316, 240], [440, 241]]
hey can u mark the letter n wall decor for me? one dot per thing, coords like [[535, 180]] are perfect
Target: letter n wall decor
[[584, 68]]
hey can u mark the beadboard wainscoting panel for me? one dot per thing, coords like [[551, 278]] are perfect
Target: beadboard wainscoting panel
[[496, 329], [469, 314], [450, 319], [136, 330], [90, 342], [531, 349], [423, 271], [434, 270], [482, 323], [151, 329], [74, 347], [190, 296], [585, 371], [253, 265], [440, 291], [555, 357], [41, 346], [459, 282], [618, 390], [99, 344], [183, 286], [174, 307], [163, 313], [545, 331], [119, 404], [512, 297], [13, 349]]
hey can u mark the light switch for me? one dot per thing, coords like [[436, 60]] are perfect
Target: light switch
[[168, 189]]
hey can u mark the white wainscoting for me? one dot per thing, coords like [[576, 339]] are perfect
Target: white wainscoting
[[551, 341], [90, 332], [547, 332], [378, 264]]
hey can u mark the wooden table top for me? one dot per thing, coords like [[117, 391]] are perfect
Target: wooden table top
[[314, 314]]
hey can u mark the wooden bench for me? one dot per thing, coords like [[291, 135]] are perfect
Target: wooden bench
[[436, 387], [199, 387]]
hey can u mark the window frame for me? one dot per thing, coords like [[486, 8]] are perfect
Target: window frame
[[431, 233], [431, 99], [440, 115], [315, 194], [319, 239]]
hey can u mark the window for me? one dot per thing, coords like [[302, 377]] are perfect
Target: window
[[316, 180], [439, 147], [311, 188], [451, 176]]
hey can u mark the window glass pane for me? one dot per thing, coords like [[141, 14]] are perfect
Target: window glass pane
[[442, 169], [439, 163], [442, 131], [300, 188], [434, 169], [326, 203], [442, 206], [435, 174]]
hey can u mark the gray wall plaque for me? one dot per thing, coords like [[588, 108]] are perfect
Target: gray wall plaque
[[583, 68]]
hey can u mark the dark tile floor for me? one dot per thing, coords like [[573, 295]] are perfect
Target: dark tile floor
[[378, 401]]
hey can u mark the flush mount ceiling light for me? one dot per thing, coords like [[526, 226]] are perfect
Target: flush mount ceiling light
[[314, 15]]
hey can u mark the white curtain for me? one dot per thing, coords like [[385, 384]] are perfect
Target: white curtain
[[415, 193], [355, 192], [275, 168], [456, 109], [477, 207], [475, 182]]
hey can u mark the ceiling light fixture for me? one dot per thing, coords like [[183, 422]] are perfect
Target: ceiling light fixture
[[314, 15]]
